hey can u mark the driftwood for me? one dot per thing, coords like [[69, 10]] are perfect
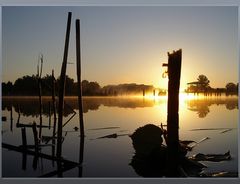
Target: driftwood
[[112, 136], [103, 128], [211, 157], [220, 174], [30, 152], [19, 125]]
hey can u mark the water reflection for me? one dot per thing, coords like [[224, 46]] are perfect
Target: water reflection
[[29, 106], [201, 106], [102, 121]]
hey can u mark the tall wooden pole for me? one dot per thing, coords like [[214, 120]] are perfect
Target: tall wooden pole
[[174, 73], [49, 114], [11, 118], [62, 88], [40, 107], [78, 55], [40, 98], [54, 113]]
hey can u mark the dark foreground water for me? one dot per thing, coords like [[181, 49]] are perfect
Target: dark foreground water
[[110, 157]]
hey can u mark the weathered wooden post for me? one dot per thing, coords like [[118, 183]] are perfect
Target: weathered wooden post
[[174, 73], [49, 114], [78, 56], [24, 138], [40, 97], [35, 136], [11, 119], [54, 103], [24, 160], [62, 87], [81, 151], [54, 114], [19, 114], [24, 146]]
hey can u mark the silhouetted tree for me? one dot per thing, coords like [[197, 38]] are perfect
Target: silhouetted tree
[[203, 82], [7, 88], [231, 87], [27, 85]]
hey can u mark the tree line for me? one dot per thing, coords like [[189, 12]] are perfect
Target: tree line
[[28, 86], [202, 85]]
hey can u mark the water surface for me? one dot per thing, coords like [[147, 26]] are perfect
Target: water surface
[[110, 157]]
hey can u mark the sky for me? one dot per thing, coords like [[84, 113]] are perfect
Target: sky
[[123, 44]]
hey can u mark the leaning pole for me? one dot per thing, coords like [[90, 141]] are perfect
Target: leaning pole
[[62, 88]]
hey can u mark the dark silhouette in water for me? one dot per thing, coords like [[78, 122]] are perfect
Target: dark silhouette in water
[[150, 158]]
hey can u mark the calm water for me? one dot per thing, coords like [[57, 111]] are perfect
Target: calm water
[[110, 157]]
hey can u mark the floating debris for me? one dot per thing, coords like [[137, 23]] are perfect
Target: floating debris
[[112, 136], [76, 128], [123, 130], [197, 129], [184, 145], [226, 130], [203, 139], [220, 174], [103, 128], [48, 138], [211, 157], [187, 142]]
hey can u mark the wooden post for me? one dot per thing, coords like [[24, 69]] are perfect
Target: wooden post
[[24, 145], [174, 72], [11, 118], [54, 114], [35, 162], [40, 99], [81, 151], [54, 103], [19, 114], [35, 136], [62, 88], [24, 161], [78, 56], [49, 114], [24, 138]]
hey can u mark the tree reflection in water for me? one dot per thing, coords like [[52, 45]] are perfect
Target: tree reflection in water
[[29, 106], [201, 106]]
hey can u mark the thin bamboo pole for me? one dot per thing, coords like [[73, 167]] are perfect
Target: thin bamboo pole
[[62, 88]]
